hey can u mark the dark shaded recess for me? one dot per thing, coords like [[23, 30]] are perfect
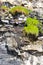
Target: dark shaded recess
[[40, 34], [22, 44], [16, 15], [31, 51], [22, 4], [2, 32], [0, 18], [15, 24], [42, 22], [12, 52], [25, 24], [1, 21], [31, 15], [30, 0], [34, 14], [32, 37], [19, 24], [7, 4], [1, 39], [22, 24]]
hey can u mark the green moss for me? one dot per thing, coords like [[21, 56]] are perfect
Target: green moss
[[31, 29], [4, 7], [19, 9], [31, 21]]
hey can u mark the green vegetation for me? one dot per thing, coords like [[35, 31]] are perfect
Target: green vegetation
[[32, 21], [19, 9], [32, 28], [4, 7]]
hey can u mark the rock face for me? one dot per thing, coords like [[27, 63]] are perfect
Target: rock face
[[15, 40], [15, 49], [19, 56], [38, 6]]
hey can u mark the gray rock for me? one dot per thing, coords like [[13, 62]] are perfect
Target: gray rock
[[11, 42], [3, 29], [33, 47]]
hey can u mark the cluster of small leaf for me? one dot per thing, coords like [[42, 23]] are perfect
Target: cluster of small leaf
[[32, 27]]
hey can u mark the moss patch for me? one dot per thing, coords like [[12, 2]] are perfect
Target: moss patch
[[19, 9], [4, 8]]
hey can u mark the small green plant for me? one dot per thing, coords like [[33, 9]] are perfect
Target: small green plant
[[32, 28], [4, 7], [32, 21], [20, 9]]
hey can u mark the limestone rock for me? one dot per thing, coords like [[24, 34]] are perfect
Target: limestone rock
[[11, 42], [33, 47], [3, 29]]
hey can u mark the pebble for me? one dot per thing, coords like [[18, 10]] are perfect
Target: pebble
[[5, 21]]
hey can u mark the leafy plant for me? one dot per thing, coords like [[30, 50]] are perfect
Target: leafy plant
[[19, 9]]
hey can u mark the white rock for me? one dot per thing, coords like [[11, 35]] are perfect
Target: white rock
[[40, 38], [41, 60], [20, 19], [37, 47], [35, 60], [5, 21]]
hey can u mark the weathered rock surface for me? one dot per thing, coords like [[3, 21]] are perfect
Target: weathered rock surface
[[6, 59], [19, 50], [14, 39], [15, 49], [11, 42]]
